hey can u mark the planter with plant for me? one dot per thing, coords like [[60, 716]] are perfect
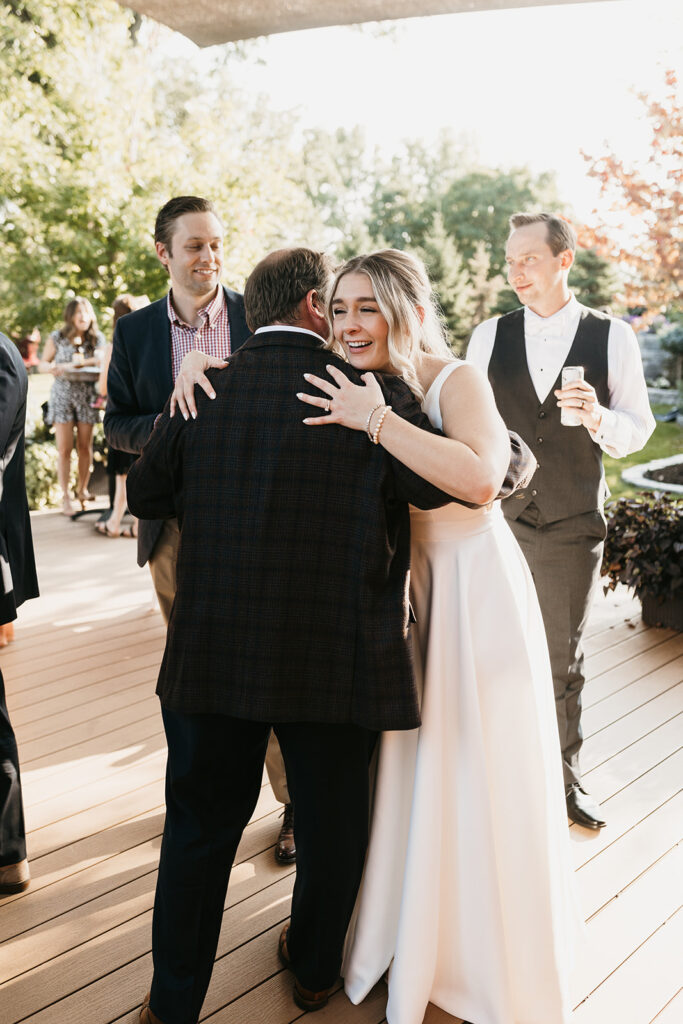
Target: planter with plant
[[644, 550]]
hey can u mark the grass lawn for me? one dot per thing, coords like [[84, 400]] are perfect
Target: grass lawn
[[667, 440]]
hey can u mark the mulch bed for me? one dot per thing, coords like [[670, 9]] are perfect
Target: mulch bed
[[668, 474]]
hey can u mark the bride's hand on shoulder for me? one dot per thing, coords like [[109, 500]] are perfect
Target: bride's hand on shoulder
[[344, 402], [192, 371]]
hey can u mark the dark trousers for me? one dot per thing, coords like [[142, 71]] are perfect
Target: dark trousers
[[213, 780], [564, 558], [12, 831]]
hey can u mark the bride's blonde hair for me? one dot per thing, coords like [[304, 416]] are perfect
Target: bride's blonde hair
[[402, 291]]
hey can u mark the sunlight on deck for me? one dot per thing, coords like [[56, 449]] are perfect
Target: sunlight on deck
[[80, 680]]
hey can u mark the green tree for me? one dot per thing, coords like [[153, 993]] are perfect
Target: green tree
[[450, 276], [478, 204], [594, 280], [101, 129]]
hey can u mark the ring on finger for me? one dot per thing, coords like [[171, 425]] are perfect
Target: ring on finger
[[327, 405]]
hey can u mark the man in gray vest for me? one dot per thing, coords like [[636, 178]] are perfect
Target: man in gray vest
[[558, 519]]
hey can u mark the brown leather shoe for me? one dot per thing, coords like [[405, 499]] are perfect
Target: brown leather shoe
[[310, 1001], [303, 997], [14, 878], [285, 850], [146, 1015], [282, 950]]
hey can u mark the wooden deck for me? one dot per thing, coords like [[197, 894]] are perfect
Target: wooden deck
[[75, 948]]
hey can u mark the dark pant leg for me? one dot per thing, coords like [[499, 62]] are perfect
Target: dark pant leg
[[213, 780], [327, 770], [564, 558], [12, 831]]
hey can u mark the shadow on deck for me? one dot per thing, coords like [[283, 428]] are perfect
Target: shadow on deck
[[80, 680]]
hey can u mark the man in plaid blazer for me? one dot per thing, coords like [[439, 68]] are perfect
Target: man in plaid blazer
[[292, 611]]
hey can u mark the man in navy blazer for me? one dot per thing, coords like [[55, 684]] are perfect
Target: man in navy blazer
[[149, 344], [198, 312]]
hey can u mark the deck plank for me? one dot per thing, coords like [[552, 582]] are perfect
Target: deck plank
[[80, 679], [635, 991]]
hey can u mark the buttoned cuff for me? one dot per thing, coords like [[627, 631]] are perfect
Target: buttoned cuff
[[611, 434], [601, 432]]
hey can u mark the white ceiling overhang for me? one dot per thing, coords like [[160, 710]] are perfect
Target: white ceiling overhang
[[207, 22]]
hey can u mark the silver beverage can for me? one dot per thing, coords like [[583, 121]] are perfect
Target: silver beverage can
[[568, 418]]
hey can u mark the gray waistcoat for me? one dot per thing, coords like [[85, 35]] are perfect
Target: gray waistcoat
[[569, 479]]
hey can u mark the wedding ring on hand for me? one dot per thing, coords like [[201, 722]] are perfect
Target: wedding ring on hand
[[327, 405]]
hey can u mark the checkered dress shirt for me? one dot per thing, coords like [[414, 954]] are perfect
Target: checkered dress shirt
[[213, 337]]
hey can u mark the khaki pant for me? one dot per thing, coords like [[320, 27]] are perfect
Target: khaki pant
[[162, 566]]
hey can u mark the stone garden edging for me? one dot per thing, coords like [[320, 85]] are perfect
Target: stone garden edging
[[635, 475]]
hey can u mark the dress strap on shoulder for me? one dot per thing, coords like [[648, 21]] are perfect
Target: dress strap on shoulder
[[430, 404], [444, 373]]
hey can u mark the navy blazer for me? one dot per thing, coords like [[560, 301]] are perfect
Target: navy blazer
[[140, 381], [16, 543]]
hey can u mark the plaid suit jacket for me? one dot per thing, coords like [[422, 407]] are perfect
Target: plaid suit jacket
[[292, 575]]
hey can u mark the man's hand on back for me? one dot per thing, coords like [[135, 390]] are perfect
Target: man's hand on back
[[192, 372]]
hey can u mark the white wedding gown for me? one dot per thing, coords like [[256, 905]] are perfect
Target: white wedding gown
[[468, 888]]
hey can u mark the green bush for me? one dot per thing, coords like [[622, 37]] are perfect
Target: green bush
[[42, 489]]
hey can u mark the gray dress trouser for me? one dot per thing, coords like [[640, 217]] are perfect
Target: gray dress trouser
[[564, 558]]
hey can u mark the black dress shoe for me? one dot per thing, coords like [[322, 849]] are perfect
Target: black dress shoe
[[582, 808], [285, 850]]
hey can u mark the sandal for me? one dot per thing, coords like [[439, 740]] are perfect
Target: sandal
[[83, 497], [104, 531], [129, 531]]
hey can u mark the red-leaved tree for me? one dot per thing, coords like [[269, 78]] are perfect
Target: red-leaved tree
[[647, 200]]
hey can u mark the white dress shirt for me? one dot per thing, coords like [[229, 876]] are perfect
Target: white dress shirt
[[628, 422]]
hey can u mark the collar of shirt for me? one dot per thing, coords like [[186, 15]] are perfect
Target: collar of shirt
[[288, 327], [208, 313], [561, 324]]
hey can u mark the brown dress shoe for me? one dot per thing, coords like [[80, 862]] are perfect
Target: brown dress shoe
[[282, 950], [146, 1015], [285, 850], [310, 1001], [14, 878], [303, 997]]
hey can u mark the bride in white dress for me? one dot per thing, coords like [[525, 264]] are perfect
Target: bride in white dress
[[467, 892]]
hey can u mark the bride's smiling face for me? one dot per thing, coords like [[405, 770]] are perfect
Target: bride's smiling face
[[359, 325]]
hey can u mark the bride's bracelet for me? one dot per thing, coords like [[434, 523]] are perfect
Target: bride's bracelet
[[380, 422], [370, 415]]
